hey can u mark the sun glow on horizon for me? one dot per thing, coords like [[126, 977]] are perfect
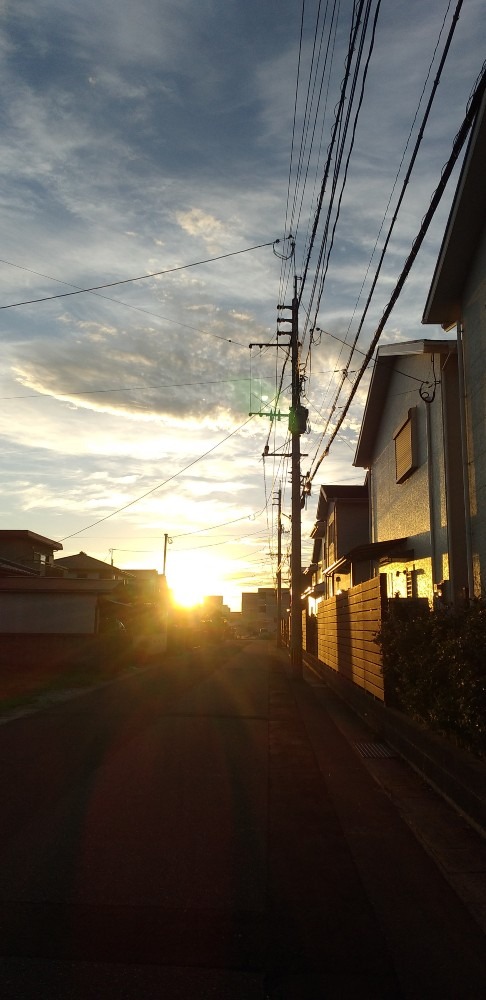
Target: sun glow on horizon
[[192, 577]]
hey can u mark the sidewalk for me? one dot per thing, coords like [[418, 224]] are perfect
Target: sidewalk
[[356, 863], [456, 846]]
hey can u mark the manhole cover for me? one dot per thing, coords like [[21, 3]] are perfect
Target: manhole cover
[[374, 750]]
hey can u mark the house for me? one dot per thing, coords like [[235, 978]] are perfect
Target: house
[[140, 598], [342, 526], [47, 606], [409, 443], [51, 621], [27, 549], [84, 567], [9, 568], [457, 298]]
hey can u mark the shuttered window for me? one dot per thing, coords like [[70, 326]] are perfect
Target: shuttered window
[[405, 447]]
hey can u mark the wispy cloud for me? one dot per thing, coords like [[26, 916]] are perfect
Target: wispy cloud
[[143, 137]]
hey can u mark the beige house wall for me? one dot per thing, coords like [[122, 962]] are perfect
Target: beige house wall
[[416, 508], [474, 323]]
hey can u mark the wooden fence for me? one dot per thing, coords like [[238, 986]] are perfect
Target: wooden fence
[[346, 628]]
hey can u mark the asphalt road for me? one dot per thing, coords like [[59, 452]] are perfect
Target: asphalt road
[[206, 829]]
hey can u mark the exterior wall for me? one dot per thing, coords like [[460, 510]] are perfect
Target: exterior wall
[[38, 613], [27, 551], [437, 492], [474, 322], [408, 509], [352, 525], [351, 528], [252, 604], [454, 481], [339, 583]]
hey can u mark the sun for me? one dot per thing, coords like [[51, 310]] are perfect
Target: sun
[[186, 596], [191, 578]]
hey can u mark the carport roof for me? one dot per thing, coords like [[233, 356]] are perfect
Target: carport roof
[[369, 550]]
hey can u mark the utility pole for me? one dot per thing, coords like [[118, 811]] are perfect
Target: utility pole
[[166, 539], [297, 424], [279, 569]]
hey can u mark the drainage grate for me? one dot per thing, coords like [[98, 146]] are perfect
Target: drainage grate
[[374, 750]]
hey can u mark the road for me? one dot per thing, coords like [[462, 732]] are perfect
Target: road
[[206, 829]]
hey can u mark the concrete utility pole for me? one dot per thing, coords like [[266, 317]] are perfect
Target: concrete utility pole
[[279, 569], [297, 424], [166, 539]]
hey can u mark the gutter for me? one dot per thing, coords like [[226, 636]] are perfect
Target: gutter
[[464, 456]]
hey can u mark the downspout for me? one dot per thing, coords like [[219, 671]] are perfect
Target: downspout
[[464, 457], [428, 431], [448, 474]]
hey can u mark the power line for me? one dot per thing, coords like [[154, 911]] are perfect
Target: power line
[[400, 200], [159, 485], [127, 305], [459, 141], [399, 167], [224, 524], [132, 388], [337, 122], [353, 136], [141, 277], [233, 540]]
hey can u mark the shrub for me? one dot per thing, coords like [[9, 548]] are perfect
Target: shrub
[[434, 668]]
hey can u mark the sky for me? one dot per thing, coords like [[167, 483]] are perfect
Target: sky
[[151, 137]]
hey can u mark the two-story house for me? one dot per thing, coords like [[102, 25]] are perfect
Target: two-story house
[[27, 549], [342, 526], [457, 298], [410, 442]]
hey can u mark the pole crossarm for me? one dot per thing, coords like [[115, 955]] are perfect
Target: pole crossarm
[[271, 345], [273, 414]]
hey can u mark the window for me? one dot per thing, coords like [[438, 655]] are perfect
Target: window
[[331, 531], [405, 447]]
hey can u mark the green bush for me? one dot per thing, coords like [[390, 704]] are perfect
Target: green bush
[[434, 668]]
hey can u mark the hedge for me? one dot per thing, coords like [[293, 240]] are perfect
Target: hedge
[[434, 668]]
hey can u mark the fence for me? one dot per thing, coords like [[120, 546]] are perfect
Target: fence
[[346, 628]]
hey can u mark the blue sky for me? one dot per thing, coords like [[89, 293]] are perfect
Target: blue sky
[[143, 137]]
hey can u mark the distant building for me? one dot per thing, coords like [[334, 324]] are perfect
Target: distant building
[[259, 608], [146, 585], [213, 601], [213, 605]]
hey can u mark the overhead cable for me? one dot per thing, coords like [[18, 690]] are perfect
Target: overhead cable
[[350, 150], [141, 277], [337, 122], [400, 199], [40, 394], [159, 485], [459, 141]]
